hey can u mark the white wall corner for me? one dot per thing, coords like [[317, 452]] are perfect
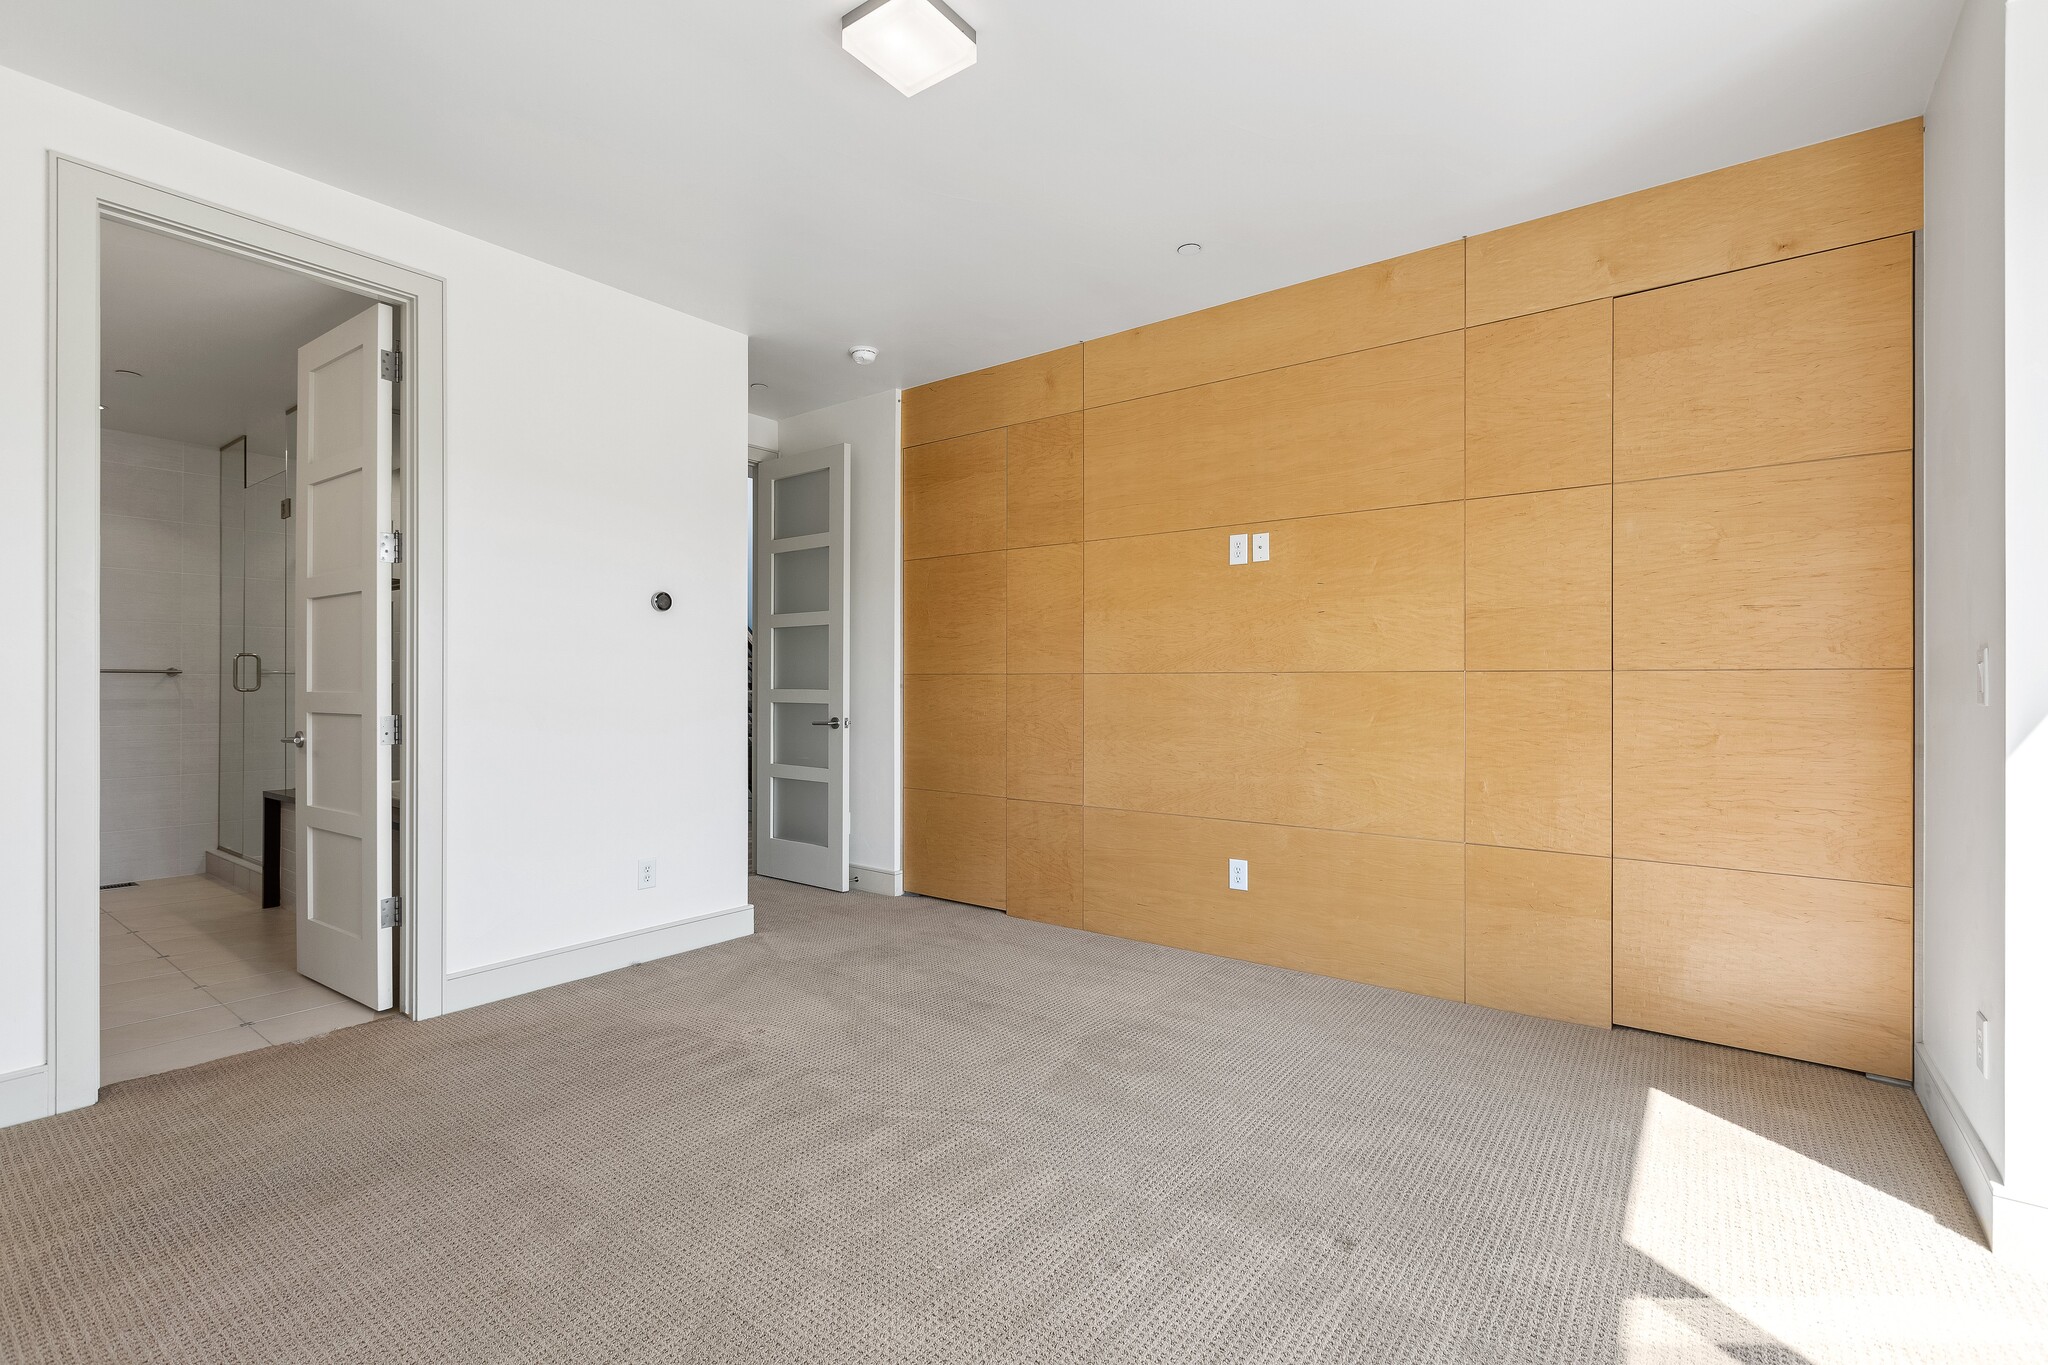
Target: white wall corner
[[877, 881], [2015, 1227], [763, 433]]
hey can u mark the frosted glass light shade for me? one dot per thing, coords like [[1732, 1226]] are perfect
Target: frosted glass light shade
[[912, 44]]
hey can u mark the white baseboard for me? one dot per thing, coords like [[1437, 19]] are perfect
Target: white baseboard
[[502, 980], [25, 1095], [1966, 1151], [877, 881]]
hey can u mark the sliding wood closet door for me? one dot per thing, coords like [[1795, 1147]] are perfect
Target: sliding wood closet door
[[992, 613], [1763, 585]]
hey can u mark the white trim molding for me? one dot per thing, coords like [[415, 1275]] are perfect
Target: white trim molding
[[25, 1095], [537, 971], [2016, 1228], [81, 197], [1966, 1151], [877, 881]]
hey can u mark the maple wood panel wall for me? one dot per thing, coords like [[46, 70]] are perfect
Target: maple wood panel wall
[[1579, 681]]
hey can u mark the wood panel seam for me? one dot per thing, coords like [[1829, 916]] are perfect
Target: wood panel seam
[[1270, 369], [1774, 464]]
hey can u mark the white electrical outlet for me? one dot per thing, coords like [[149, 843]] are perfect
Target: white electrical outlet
[[1983, 1046], [1240, 875], [1240, 553], [646, 874], [1262, 546], [1984, 676]]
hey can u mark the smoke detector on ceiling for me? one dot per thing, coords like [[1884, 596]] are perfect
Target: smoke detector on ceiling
[[863, 355]]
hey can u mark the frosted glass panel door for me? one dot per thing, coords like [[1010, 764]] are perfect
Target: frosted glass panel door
[[800, 720]]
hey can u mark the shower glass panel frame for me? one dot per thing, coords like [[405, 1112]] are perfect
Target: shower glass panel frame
[[256, 553]]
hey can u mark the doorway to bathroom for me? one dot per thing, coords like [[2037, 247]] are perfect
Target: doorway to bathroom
[[203, 953], [235, 478]]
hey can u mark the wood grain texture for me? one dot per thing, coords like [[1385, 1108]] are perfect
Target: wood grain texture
[[1538, 931], [1044, 854], [1381, 428], [1044, 737], [953, 733], [1819, 970], [1539, 580], [1410, 296], [1045, 609], [1000, 396], [954, 846], [1045, 481], [1384, 911], [1368, 590], [1793, 566], [1803, 360], [1539, 410], [1539, 760], [1831, 194], [954, 619], [1808, 773], [953, 496], [1381, 753]]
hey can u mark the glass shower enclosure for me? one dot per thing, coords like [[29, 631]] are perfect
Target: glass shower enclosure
[[256, 551]]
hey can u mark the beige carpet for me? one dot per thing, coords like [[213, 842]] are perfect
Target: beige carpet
[[887, 1131]]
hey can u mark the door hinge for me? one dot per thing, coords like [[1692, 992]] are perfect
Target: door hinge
[[391, 730], [392, 365], [390, 912], [390, 547], [284, 509]]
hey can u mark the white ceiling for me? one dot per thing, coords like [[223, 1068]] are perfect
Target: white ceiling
[[726, 158], [215, 337]]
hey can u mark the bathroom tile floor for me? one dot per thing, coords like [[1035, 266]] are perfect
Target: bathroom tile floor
[[191, 970]]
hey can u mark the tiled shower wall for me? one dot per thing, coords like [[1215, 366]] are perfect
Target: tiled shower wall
[[159, 608]]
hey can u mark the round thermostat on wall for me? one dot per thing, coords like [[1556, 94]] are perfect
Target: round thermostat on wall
[[661, 601]]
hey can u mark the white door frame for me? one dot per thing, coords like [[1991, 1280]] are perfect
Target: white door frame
[[81, 196]]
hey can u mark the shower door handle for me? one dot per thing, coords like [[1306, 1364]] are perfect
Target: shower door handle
[[237, 679]]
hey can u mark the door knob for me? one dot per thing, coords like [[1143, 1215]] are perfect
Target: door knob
[[832, 724], [296, 738]]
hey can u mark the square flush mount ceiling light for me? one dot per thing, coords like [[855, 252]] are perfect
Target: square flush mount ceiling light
[[912, 44]]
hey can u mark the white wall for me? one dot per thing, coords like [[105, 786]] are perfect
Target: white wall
[[1984, 545], [584, 730], [2026, 628], [159, 608], [872, 427], [1961, 918]]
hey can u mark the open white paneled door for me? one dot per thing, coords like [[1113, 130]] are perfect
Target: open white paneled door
[[342, 598], [801, 611]]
